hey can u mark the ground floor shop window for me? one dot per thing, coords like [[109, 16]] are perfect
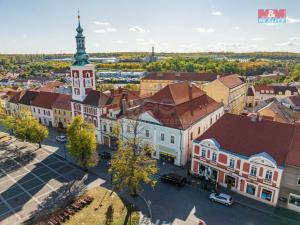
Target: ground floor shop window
[[294, 200], [266, 195], [250, 189], [230, 181]]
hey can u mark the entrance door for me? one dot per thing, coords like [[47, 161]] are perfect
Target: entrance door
[[230, 181], [167, 158]]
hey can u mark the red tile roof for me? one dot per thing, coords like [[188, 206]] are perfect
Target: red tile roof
[[15, 98], [45, 99], [231, 81], [95, 98], [173, 107], [275, 88], [28, 97], [293, 157], [242, 136], [177, 93], [295, 100], [181, 76], [63, 102]]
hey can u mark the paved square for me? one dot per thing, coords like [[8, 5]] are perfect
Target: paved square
[[27, 177]]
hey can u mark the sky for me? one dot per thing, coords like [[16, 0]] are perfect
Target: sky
[[48, 26]]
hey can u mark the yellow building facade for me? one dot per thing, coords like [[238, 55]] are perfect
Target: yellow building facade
[[230, 90], [62, 111]]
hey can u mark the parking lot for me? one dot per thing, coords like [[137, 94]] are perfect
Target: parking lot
[[27, 177]]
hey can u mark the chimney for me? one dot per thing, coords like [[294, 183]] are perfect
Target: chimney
[[190, 90], [152, 51], [253, 117], [124, 105]]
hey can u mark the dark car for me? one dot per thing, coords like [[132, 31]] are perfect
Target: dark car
[[172, 178], [105, 155]]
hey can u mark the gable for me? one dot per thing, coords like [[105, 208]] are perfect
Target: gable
[[263, 159], [149, 118]]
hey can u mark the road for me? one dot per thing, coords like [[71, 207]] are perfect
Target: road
[[173, 205]]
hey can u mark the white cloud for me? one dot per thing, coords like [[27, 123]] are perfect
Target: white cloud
[[205, 30], [258, 39], [287, 44], [140, 39], [111, 29], [102, 23], [294, 39], [138, 29], [236, 28], [216, 13], [100, 31], [106, 30], [292, 20]]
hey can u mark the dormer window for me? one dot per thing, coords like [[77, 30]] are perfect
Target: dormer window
[[87, 75]]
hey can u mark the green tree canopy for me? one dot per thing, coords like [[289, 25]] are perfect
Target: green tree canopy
[[82, 143], [132, 164]]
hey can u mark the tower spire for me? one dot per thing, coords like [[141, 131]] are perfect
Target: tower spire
[[78, 16], [81, 57]]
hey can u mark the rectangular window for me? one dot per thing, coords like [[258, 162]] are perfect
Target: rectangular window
[[250, 189], [199, 130], [231, 163], [192, 136], [172, 139], [147, 133], [110, 129], [294, 200], [64, 113], [298, 180], [253, 171], [214, 157], [44, 112], [266, 195], [268, 175], [34, 110], [39, 110], [162, 137], [104, 128], [128, 128], [203, 153]]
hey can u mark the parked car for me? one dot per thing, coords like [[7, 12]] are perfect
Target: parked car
[[221, 198], [105, 155], [61, 139], [172, 178]]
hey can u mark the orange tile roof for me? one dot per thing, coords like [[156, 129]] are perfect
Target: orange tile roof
[[240, 135], [231, 81], [174, 107]]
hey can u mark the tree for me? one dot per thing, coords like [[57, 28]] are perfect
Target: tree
[[132, 164], [104, 87], [25, 127], [82, 143], [9, 123]]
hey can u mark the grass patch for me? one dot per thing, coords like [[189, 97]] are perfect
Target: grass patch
[[106, 209]]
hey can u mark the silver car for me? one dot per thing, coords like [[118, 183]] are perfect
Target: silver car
[[221, 198], [61, 139]]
